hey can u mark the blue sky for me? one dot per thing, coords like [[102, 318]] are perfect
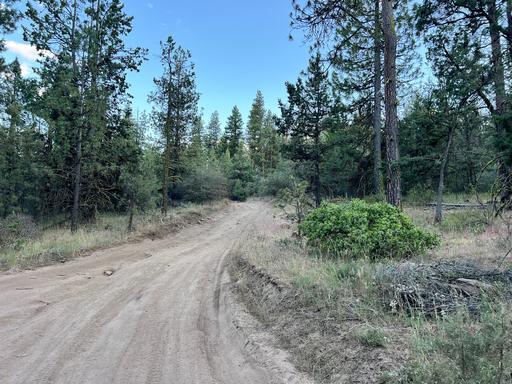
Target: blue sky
[[238, 47]]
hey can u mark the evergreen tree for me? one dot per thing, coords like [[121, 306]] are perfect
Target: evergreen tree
[[466, 38], [196, 149], [255, 128], [83, 75], [213, 132], [175, 100], [21, 145], [269, 144], [303, 119], [233, 133], [9, 16], [138, 170], [352, 34]]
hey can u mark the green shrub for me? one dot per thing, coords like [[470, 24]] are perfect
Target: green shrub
[[238, 192], [372, 337], [15, 229], [360, 229], [281, 178], [203, 184]]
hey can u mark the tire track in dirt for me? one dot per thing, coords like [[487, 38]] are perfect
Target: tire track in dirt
[[161, 317]]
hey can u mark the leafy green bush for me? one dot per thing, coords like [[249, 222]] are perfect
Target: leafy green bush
[[238, 192], [360, 229], [15, 229], [282, 177]]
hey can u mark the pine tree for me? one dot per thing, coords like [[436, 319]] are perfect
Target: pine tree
[[269, 143], [83, 75], [255, 128], [9, 16], [20, 144], [196, 148], [303, 119], [233, 133], [175, 100], [213, 132]]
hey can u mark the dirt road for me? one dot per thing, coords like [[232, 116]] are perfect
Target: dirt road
[[164, 316]]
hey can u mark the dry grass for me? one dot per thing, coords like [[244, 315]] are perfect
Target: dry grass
[[467, 234], [322, 310], [330, 313], [59, 244]]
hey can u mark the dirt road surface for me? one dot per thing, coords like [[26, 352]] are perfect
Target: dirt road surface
[[165, 315]]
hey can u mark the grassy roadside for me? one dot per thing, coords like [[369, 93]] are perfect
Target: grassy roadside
[[332, 317], [58, 244]]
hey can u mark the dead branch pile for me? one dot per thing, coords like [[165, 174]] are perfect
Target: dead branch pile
[[438, 289]]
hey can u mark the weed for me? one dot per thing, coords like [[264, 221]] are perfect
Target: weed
[[463, 349], [372, 337]]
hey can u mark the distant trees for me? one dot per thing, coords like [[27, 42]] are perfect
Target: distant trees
[[71, 146], [175, 100]]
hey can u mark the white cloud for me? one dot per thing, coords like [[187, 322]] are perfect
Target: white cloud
[[26, 70], [26, 51], [150, 5]]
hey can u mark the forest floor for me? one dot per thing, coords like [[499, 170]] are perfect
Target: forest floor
[[329, 314], [152, 311]]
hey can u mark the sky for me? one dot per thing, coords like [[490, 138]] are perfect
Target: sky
[[238, 47]]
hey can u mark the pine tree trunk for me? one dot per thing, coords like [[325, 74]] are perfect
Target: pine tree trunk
[[130, 219], [75, 212], [509, 28], [500, 95], [77, 172], [165, 185], [393, 188], [318, 199], [316, 180], [377, 104], [440, 188]]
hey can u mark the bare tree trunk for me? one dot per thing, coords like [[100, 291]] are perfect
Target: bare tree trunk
[[438, 217], [377, 104], [393, 188]]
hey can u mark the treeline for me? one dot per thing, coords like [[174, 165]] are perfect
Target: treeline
[[357, 121]]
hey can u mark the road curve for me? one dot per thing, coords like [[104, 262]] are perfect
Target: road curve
[[162, 317]]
